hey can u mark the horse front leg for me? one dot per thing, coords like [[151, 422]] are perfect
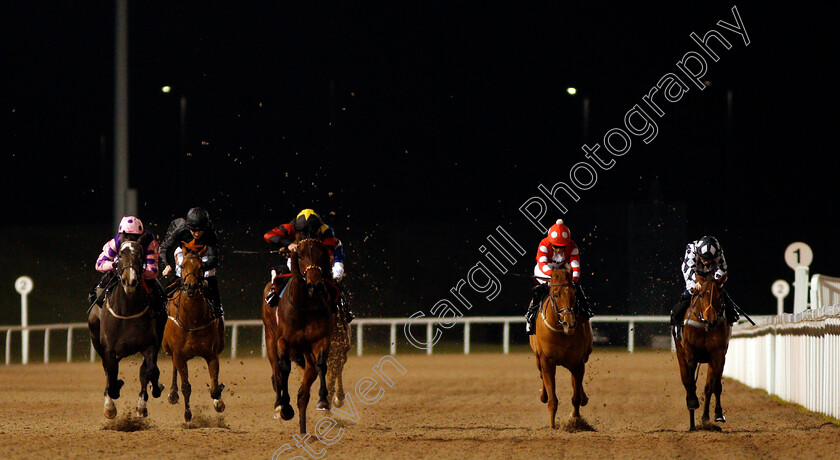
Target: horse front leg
[[687, 369], [143, 396], [548, 371], [310, 373], [321, 369], [173, 390], [717, 387], [281, 386], [112, 388], [579, 397], [179, 363], [215, 387]]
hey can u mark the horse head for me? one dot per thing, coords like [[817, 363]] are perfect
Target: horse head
[[707, 300], [192, 271], [562, 298], [311, 260], [130, 265]]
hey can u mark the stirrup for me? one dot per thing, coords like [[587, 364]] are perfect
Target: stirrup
[[272, 298]]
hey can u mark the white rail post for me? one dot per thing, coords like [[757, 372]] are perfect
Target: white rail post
[[393, 339], [8, 346], [631, 339], [506, 337], [263, 348], [429, 336], [46, 345], [69, 344], [466, 337], [23, 285], [234, 336], [359, 339]]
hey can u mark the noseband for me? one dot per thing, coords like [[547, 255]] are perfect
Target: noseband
[[703, 322]]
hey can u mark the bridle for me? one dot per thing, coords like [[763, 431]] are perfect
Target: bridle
[[184, 291], [703, 322], [311, 266], [557, 310]]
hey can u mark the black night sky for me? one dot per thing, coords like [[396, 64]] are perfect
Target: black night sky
[[417, 128]]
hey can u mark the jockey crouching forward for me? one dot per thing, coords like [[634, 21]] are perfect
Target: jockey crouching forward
[[702, 257], [195, 232], [130, 229], [556, 250], [307, 224]]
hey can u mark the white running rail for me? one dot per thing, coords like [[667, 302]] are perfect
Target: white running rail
[[795, 357], [359, 324], [825, 290]]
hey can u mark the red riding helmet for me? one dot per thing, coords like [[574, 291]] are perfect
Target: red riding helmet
[[559, 234]]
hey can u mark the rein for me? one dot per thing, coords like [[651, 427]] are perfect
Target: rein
[[108, 300], [702, 323]]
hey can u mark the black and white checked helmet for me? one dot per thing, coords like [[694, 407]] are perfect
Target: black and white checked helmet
[[708, 248]]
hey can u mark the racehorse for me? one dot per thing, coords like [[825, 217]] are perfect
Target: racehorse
[[124, 326], [191, 330], [339, 347], [705, 339], [299, 329], [563, 337]]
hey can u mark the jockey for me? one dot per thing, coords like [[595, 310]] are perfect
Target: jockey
[[556, 250], [308, 224], [195, 232], [130, 229], [702, 257]]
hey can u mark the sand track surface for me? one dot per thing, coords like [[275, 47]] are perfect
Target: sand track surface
[[445, 406]]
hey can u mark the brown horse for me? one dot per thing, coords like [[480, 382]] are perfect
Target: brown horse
[[124, 326], [299, 329], [563, 337], [339, 347], [191, 330], [705, 339]]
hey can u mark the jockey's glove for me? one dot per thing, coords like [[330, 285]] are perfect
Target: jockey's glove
[[338, 271]]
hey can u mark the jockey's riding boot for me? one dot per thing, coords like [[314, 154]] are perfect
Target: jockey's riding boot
[[582, 302], [213, 296], [537, 294], [272, 299], [732, 315], [344, 308], [679, 309]]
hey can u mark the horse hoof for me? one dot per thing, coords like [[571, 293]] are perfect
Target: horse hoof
[[284, 412], [187, 415], [323, 405], [720, 418], [337, 402], [173, 398], [110, 410], [157, 391], [142, 412], [219, 405]]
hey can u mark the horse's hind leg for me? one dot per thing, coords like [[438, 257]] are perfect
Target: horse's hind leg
[[321, 369], [548, 371], [143, 396], [215, 387], [579, 397], [717, 388]]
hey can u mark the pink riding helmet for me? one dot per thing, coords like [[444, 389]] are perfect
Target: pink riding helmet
[[131, 224]]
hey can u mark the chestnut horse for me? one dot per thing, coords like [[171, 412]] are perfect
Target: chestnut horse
[[705, 339], [191, 330], [339, 347], [124, 326], [562, 337], [299, 329]]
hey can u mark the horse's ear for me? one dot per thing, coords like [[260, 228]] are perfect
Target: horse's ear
[[203, 251], [722, 279]]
